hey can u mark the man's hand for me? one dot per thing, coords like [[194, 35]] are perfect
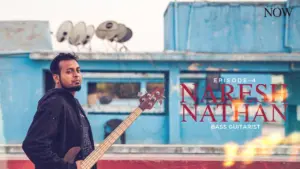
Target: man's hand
[[78, 164]]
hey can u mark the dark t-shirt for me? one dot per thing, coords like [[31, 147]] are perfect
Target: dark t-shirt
[[86, 147]]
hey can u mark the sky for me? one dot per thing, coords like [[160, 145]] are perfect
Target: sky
[[144, 17]]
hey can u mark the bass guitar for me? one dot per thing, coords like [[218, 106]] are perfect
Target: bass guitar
[[147, 101]]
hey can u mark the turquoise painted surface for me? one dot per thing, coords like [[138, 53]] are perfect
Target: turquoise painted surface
[[22, 85], [231, 27], [197, 27]]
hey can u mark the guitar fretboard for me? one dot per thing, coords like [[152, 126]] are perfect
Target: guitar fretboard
[[102, 148]]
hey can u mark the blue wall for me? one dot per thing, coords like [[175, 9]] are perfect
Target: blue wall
[[203, 132], [196, 27], [21, 88], [22, 85], [230, 27]]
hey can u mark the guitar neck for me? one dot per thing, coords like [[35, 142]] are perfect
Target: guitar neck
[[102, 148]]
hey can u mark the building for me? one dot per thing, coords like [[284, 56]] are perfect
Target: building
[[203, 41]]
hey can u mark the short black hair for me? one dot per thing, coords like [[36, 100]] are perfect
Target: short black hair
[[54, 66]]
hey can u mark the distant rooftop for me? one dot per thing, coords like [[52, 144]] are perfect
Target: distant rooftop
[[24, 36]]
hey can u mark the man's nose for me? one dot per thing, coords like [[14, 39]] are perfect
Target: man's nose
[[76, 74]]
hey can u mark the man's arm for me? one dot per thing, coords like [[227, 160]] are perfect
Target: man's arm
[[42, 131]]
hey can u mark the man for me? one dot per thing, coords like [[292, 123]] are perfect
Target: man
[[60, 122]]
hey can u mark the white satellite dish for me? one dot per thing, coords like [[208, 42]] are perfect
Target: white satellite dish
[[123, 35], [127, 37], [107, 30], [90, 31], [120, 32], [64, 31], [78, 34]]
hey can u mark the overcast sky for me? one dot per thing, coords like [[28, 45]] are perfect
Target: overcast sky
[[144, 17]]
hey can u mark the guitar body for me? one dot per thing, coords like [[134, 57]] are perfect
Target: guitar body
[[71, 154]]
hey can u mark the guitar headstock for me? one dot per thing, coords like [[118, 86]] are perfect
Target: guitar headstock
[[148, 100]]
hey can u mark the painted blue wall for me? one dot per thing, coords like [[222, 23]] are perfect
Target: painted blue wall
[[196, 27], [22, 85], [21, 88], [147, 129], [230, 27], [206, 132]]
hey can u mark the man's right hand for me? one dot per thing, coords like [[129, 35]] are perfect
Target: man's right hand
[[78, 164]]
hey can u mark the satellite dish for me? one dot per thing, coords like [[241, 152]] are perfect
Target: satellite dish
[[123, 35], [64, 31], [127, 36], [120, 33], [107, 30], [90, 31], [78, 34]]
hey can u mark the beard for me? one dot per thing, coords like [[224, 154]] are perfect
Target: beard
[[70, 89]]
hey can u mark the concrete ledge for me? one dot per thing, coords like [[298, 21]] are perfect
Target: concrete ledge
[[175, 56], [173, 150], [168, 157]]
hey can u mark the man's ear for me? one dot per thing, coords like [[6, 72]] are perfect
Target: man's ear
[[56, 78]]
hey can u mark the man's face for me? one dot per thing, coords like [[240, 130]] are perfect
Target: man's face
[[70, 76]]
